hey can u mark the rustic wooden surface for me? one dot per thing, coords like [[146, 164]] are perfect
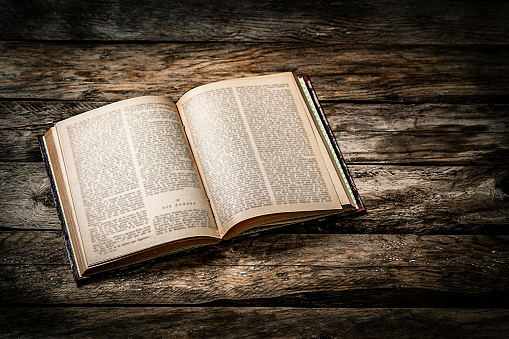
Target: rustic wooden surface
[[417, 94]]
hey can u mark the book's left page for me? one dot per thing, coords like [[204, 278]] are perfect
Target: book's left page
[[131, 180]]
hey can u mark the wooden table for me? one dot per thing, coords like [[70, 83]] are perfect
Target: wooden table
[[417, 93]]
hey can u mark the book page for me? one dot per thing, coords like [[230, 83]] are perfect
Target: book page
[[132, 178], [256, 149]]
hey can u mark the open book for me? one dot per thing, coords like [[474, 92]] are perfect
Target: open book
[[146, 176]]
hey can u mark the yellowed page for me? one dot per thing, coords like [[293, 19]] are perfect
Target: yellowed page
[[344, 198], [256, 149], [63, 190], [132, 178]]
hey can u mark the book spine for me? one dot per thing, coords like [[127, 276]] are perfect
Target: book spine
[[58, 205], [333, 141]]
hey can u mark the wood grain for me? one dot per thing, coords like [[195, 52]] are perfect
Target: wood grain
[[399, 199], [434, 148], [371, 21], [367, 133], [412, 147], [278, 270], [110, 72], [252, 322], [416, 93], [39, 116], [414, 118]]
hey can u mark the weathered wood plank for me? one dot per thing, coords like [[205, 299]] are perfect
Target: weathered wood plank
[[47, 248], [400, 199], [407, 147], [413, 118], [359, 72], [283, 270], [39, 116], [427, 200], [386, 22], [26, 197], [434, 148], [393, 133], [280, 322], [32, 247]]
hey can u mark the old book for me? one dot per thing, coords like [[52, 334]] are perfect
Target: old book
[[144, 177]]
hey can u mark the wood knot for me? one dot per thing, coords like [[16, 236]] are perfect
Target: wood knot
[[90, 94], [44, 196], [502, 184]]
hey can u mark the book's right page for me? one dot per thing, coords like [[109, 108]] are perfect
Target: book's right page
[[257, 151]]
